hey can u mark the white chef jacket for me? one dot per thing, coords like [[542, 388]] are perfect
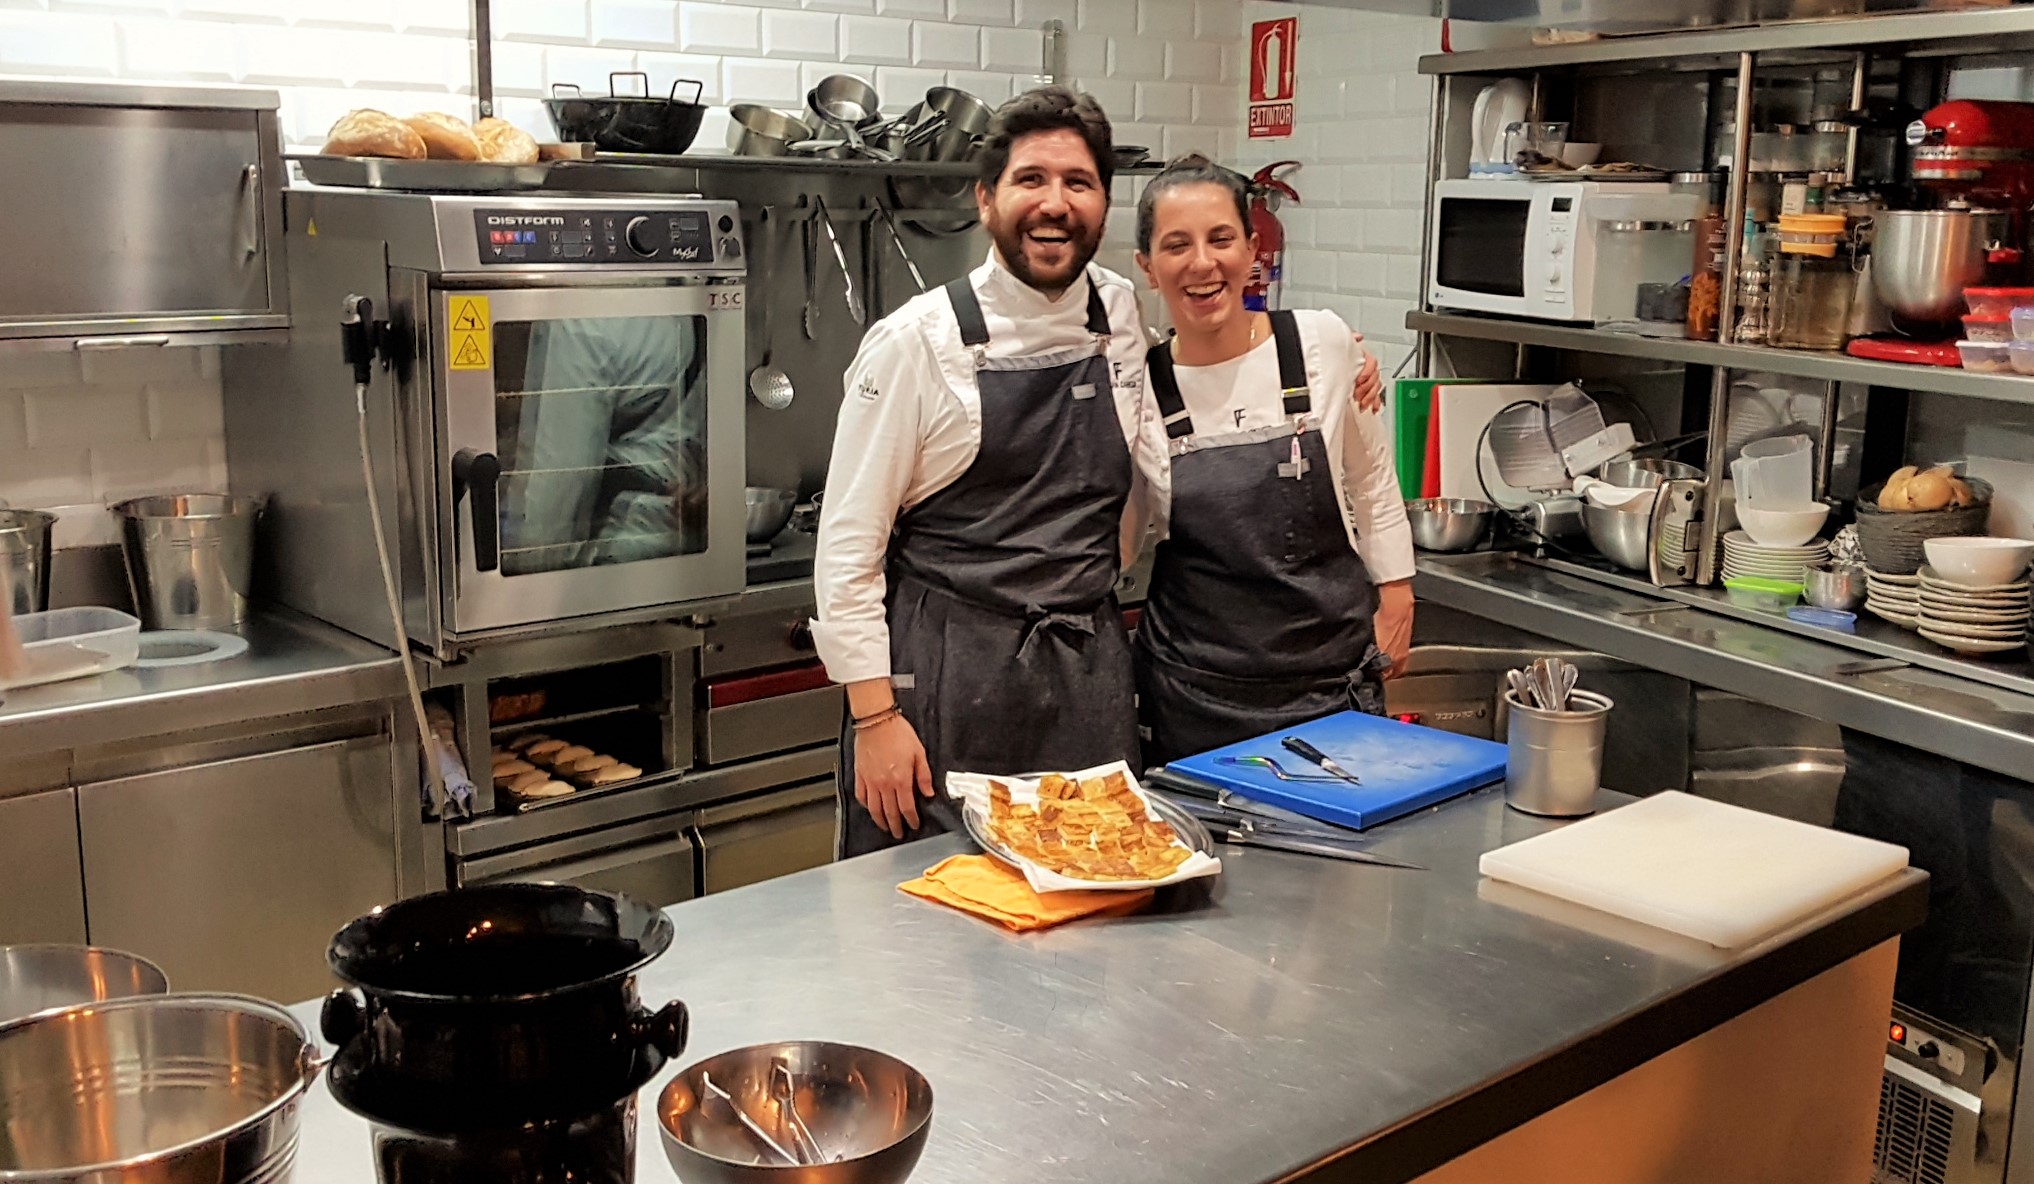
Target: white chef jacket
[[1244, 393], [911, 424]]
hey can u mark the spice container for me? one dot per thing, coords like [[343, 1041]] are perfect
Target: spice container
[[1705, 276]]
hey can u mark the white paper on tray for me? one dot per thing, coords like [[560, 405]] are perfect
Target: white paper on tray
[[971, 790]]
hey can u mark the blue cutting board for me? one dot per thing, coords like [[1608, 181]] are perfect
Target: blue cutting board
[[1403, 767]]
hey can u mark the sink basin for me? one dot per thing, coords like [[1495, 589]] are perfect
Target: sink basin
[[187, 647]]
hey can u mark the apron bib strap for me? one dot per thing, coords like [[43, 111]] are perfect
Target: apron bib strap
[[967, 309], [1098, 315], [1165, 388], [1292, 363]]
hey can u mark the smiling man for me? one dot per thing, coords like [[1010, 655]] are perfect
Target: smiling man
[[994, 454]]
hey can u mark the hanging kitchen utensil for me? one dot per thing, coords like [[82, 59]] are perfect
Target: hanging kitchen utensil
[[897, 240], [847, 278], [810, 236], [768, 385]]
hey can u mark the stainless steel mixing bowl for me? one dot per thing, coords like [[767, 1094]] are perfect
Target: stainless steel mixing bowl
[[1448, 523], [174, 1089], [769, 510], [39, 978], [1922, 260], [1647, 474], [1620, 535], [867, 1108]]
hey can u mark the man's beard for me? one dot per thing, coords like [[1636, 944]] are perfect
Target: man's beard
[[1082, 243]]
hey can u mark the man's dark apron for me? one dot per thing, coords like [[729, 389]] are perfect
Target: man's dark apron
[[1007, 649], [1259, 615]]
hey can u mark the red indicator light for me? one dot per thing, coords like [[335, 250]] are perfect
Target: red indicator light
[[1897, 1033], [1409, 717]]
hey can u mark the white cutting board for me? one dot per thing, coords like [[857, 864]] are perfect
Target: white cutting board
[[1717, 873]]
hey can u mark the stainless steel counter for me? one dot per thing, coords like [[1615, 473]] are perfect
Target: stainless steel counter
[[1299, 1020], [293, 664], [1976, 722]]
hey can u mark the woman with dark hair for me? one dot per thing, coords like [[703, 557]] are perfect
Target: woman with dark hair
[[1282, 591]]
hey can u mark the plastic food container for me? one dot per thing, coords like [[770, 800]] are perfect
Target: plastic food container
[[2022, 353], [1767, 596], [1993, 303], [1824, 618], [2022, 321], [1992, 328], [68, 643], [1986, 357]]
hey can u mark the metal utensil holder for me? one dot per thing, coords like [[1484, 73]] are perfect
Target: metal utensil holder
[[1554, 761]]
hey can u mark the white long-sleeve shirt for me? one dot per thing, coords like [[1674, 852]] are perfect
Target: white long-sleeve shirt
[[911, 424], [1244, 393]]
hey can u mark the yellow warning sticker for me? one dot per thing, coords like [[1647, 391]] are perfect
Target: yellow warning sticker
[[472, 338]]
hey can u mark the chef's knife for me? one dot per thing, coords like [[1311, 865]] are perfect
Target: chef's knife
[[1178, 787], [1299, 846], [1301, 748]]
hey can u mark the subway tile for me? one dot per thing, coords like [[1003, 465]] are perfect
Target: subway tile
[[58, 43], [1339, 228], [936, 45], [649, 23], [1193, 61], [379, 15], [875, 40], [850, 7], [1367, 94], [83, 522], [1411, 94], [1216, 106], [1165, 102], [1409, 185], [801, 35], [1119, 99], [901, 86], [1366, 185], [405, 62], [22, 369], [435, 16], [714, 28], [667, 68], [160, 466], [185, 411], [1033, 13], [1402, 277], [13, 425], [540, 20], [109, 7], [1218, 20], [1165, 18], [1233, 69], [287, 57], [1013, 50], [1383, 318], [983, 12], [277, 11], [519, 69], [44, 478], [84, 416], [527, 114], [1182, 138], [1393, 231], [1087, 56], [1359, 273], [1106, 16], [935, 9], [136, 367], [992, 87], [1137, 59], [761, 80]]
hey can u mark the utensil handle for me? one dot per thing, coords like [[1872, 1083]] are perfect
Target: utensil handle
[[615, 91], [1300, 747], [698, 90], [666, 1029], [342, 1018]]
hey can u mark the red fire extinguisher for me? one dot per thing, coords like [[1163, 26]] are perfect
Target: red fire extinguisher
[[1267, 192]]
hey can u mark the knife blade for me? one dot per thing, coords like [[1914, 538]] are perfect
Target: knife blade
[[1305, 751], [1299, 846]]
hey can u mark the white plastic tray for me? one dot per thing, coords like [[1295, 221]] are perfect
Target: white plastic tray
[[68, 643]]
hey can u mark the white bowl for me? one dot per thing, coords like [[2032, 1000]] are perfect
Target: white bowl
[[1580, 155], [1782, 524], [1979, 562]]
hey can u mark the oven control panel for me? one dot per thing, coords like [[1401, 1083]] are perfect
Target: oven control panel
[[705, 236]]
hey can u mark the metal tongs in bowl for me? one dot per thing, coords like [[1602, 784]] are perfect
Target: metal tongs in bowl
[[1546, 684]]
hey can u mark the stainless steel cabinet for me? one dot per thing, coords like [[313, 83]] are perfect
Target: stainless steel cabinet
[[42, 881], [773, 834], [652, 860], [234, 875]]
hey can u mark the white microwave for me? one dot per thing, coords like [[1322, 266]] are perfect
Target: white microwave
[[1556, 250]]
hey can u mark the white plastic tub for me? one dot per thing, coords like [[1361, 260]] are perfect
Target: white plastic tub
[[70, 643]]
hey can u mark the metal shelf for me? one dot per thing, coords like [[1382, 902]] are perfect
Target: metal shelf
[[1834, 367], [1914, 33]]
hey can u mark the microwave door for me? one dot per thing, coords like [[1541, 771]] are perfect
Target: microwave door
[[593, 448]]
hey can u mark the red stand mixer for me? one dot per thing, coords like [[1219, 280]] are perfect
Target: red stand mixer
[[1979, 156]]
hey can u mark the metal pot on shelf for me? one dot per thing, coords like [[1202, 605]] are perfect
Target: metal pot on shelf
[[1922, 260]]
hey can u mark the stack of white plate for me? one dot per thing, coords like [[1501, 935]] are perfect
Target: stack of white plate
[[1745, 559], [1893, 598], [1674, 536], [1991, 619]]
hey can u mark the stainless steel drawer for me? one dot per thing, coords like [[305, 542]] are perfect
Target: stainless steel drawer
[[757, 641], [770, 835], [776, 723], [653, 861], [42, 879]]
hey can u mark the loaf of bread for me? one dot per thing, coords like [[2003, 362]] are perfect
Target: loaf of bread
[[368, 132], [445, 137], [503, 142]]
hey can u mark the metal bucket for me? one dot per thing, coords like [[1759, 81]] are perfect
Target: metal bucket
[[1554, 762], [190, 558], [176, 1089], [24, 552], [38, 978]]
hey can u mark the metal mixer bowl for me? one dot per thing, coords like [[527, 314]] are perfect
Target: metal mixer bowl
[[867, 1108], [1922, 260], [769, 510], [39, 978], [1448, 523], [175, 1089], [1621, 536]]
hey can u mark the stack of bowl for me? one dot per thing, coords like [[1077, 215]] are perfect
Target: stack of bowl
[[1973, 595]]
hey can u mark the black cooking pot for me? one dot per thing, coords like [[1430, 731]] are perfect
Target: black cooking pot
[[514, 1001], [627, 123]]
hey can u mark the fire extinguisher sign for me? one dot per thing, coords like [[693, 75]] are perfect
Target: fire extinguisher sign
[[1273, 52]]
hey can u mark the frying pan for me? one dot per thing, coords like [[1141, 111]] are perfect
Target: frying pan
[[627, 123]]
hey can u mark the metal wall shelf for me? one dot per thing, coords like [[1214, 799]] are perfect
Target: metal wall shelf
[[1834, 367], [1913, 33]]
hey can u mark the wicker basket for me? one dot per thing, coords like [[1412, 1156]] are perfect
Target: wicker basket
[[1892, 539]]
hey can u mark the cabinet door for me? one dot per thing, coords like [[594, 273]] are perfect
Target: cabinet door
[[767, 836], [233, 876], [42, 885]]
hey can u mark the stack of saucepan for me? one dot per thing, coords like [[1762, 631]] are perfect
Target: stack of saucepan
[[843, 120]]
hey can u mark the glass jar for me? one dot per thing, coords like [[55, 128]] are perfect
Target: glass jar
[[1813, 284], [1705, 274]]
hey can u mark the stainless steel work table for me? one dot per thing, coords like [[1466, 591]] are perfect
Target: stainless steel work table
[[293, 664], [1301, 1019]]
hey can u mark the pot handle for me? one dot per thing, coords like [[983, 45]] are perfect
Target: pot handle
[[665, 1030], [342, 1018]]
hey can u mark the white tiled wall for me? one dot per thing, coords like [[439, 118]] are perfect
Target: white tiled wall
[[1361, 124], [81, 433]]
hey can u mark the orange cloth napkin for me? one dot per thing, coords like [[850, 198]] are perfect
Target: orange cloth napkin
[[993, 889]]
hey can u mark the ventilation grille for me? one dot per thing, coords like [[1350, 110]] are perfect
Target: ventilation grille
[[1915, 1129]]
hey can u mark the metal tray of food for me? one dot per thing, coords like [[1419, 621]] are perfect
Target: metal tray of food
[[421, 176], [1185, 825]]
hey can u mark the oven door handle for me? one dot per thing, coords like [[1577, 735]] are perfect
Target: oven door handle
[[479, 473]]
